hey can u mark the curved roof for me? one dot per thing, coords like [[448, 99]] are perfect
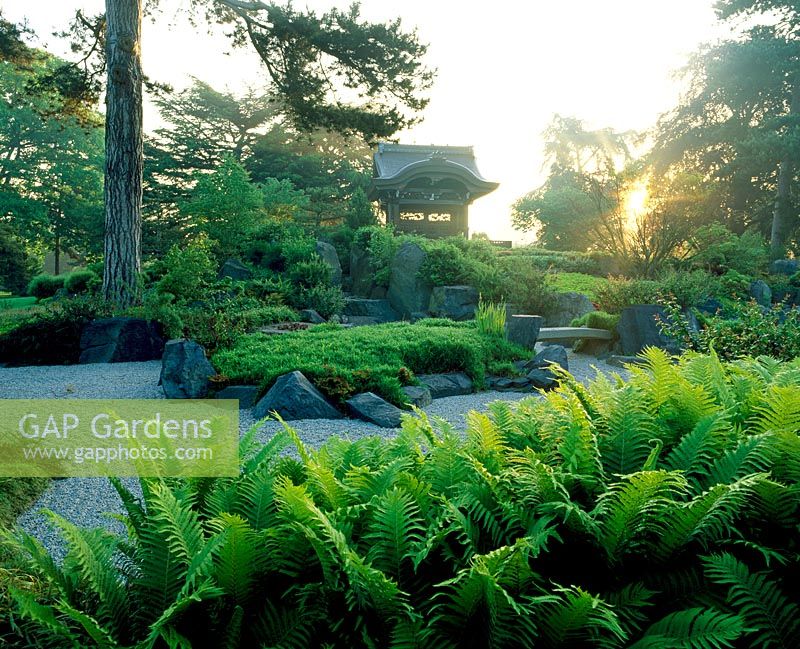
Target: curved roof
[[395, 165]]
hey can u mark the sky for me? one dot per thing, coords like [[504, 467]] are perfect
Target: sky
[[504, 69]]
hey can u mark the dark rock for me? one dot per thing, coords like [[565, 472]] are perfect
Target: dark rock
[[565, 307], [503, 383], [310, 315], [370, 407], [447, 385], [542, 379], [711, 306], [408, 293], [523, 329], [294, 397], [520, 382], [185, 370], [245, 394], [761, 293], [593, 347], [362, 272], [784, 266], [235, 269], [638, 329], [380, 310], [121, 340], [454, 302], [330, 257], [361, 320], [417, 395], [549, 355]]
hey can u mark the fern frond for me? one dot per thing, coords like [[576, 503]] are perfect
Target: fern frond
[[395, 533], [772, 616], [579, 617], [625, 431], [694, 628], [636, 506]]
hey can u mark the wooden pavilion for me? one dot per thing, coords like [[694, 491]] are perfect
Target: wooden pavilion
[[427, 189]]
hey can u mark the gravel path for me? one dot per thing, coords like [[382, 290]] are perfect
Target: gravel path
[[87, 501]]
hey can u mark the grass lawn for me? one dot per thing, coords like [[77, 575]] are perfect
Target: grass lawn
[[16, 302], [578, 282], [382, 358]]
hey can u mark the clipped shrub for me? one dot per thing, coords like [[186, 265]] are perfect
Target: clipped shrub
[[82, 281], [657, 512], [718, 250], [525, 286], [735, 285], [43, 286], [597, 320], [620, 292]]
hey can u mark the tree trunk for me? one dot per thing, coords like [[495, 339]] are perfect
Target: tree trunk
[[57, 256], [780, 211], [123, 174]]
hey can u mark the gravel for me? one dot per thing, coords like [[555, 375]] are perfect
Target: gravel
[[89, 502]]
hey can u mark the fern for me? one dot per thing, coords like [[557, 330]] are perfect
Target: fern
[[695, 628], [395, 533], [579, 617], [774, 618]]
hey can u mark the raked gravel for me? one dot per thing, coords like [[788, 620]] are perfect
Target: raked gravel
[[87, 502]]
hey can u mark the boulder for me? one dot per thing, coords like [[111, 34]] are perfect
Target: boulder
[[235, 269], [362, 272], [378, 310], [370, 407], [566, 307], [417, 395], [711, 306], [542, 379], [246, 395], [761, 293], [121, 340], [310, 315], [408, 293], [447, 385], [638, 329], [454, 302], [784, 266], [185, 370], [523, 329], [549, 355], [294, 397], [331, 258]]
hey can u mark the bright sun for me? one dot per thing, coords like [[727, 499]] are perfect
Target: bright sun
[[635, 201]]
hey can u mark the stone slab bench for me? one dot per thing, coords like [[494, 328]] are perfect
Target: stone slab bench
[[575, 333]]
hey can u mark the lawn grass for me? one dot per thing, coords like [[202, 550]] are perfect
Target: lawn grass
[[381, 358], [577, 282], [16, 302]]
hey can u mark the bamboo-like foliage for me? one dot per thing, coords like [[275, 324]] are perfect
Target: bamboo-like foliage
[[658, 512]]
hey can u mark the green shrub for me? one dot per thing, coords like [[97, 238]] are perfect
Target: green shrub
[[446, 265], [746, 330], [597, 320], [44, 285], [525, 286], [658, 512], [17, 266], [327, 350], [594, 263], [381, 244], [82, 281], [718, 250], [310, 273], [51, 336], [735, 285], [189, 270], [690, 288]]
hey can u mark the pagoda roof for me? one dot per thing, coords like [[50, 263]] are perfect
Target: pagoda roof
[[395, 165]]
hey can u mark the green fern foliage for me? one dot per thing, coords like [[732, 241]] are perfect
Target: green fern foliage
[[659, 512]]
